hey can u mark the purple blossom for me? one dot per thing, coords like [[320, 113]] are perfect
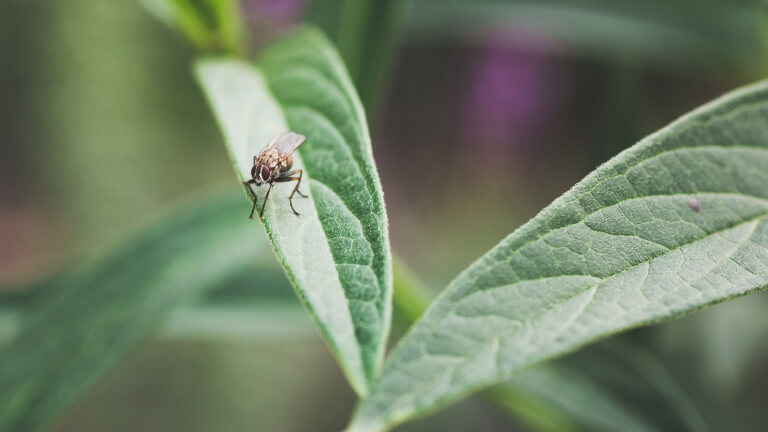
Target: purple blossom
[[515, 87]]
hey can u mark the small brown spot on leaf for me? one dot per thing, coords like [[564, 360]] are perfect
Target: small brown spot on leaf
[[695, 205]]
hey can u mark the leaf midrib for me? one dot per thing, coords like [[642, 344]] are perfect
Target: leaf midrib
[[310, 72], [359, 155], [369, 185], [583, 221], [361, 386], [341, 73], [369, 182], [576, 198], [602, 279], [636, 163]]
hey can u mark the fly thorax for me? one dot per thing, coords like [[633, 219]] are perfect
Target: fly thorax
[[270, 158]]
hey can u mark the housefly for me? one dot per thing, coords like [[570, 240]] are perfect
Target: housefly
[[273, 165]]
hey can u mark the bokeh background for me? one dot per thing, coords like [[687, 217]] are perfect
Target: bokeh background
[[103, 130]]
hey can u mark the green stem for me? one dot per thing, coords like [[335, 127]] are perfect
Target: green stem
[[411, 297]]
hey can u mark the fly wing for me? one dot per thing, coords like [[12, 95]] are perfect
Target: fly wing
[[285, 143]]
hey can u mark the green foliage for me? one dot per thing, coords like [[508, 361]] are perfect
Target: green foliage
[[210, 25], [337, 253], [86, 320], [625, 247], [308, 79], [674, 224], [608, 384], [714, 33], [366, 33]]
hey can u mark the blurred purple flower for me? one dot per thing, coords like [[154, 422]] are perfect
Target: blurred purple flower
[[273, 10], [514, 90]]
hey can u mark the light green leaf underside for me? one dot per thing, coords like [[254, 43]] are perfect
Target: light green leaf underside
[[309, 81], [621, 249], [336, 254], [249, 118], [83, 322]]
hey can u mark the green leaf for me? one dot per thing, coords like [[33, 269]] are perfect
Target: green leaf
[[411, 298], [716, 33], [235, 311], [210, 25], [604, 387], [337, 253], [9, 323], [258, 320], [724, 342], [83, 322], [625, 247], [366, 33]]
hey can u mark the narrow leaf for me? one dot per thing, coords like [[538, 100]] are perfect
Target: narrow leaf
[[656, 31], [676, 223], [82, 323], [366, 33], [210, 25], [337, 253], [309, 81], [260, 320], [608, 386]]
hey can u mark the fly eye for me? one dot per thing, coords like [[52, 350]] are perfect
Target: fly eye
[[264, 174], [253, 171]]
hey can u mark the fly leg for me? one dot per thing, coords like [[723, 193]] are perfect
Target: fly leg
[[266, 197], [290, 173], [253, 194], [286, 178]]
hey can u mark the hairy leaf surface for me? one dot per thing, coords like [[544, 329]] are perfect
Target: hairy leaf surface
[[671, 225], [337, 253]]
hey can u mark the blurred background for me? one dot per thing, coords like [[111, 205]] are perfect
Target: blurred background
[[103, 131]]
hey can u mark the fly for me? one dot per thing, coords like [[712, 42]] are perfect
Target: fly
[[273, 165]]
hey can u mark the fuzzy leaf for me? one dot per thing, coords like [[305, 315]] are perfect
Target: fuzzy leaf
[[674, 224], [81, 323], [337, 253]]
